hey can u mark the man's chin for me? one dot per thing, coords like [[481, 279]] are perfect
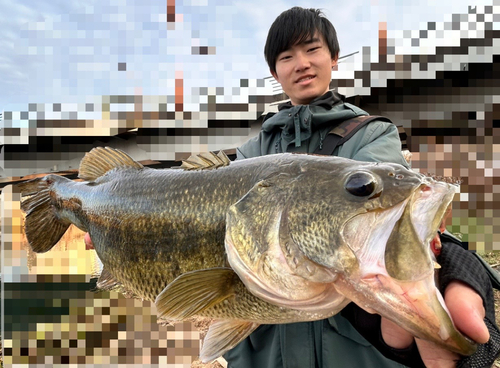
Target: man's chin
[[304, 99]]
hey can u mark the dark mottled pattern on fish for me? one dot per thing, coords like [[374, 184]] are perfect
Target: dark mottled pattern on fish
[[167, 230]]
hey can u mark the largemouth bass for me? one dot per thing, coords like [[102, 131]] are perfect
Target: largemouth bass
[[274, 239]]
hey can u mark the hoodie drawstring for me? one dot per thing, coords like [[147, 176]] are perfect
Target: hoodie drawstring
[[277, 143], [296, 123]]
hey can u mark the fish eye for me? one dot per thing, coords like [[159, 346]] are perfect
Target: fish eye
[[360, 184]]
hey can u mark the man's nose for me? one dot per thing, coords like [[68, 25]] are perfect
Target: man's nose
[[301, 62]]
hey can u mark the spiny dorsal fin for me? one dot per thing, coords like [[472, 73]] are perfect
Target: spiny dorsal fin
[[224, 335], [192, 292], [206, 161], [102, 159]]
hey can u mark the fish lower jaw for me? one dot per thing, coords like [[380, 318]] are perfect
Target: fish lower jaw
[[416, 306]]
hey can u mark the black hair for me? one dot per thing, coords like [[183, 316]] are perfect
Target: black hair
[[297, 25]]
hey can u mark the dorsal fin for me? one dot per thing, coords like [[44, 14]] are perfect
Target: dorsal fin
[[206, 161], [102, 159]]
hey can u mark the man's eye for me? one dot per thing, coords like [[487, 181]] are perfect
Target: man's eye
[[285, 57], [314, 48]]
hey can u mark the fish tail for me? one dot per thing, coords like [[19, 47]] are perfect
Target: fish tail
[[42, 226]]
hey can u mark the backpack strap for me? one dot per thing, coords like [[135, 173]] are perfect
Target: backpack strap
[[344, 131]]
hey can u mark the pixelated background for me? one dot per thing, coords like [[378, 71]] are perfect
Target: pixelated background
[[162, 80]]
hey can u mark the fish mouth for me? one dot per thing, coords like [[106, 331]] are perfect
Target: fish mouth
[[385, 241], [395, 274], [423, 207], [416, 306]]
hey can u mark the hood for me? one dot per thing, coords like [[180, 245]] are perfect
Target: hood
[[298, 122]]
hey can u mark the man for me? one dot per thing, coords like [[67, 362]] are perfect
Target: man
[[301, 50]]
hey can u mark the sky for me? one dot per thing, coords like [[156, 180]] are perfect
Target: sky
[[71, 50]]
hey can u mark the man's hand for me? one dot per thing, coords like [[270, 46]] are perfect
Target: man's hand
[[467, 312]]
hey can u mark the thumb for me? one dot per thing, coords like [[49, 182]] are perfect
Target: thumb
[[467, 311]]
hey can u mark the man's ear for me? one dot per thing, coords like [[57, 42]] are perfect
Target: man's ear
[[275, 75], [335, 61]]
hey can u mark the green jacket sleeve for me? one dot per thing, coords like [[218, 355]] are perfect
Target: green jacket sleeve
[[250, 148]]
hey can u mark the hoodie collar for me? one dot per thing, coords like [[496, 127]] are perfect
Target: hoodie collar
[[296, 121], [326, 101]]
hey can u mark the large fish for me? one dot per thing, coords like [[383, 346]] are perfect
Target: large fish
[[274, 239]]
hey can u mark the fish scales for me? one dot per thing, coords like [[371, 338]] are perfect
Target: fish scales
[[175, 224]]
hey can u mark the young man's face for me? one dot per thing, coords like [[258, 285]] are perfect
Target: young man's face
[[305, 70]]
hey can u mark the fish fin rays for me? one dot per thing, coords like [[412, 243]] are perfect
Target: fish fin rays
[[30, 187], [206, 161], [42, 226], [192, 292], [224, 335], [100, 160], [107, 281]]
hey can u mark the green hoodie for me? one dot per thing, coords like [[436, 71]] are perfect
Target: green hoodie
[[303, 128]]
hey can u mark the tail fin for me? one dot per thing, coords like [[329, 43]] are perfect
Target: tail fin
[[42, 226]]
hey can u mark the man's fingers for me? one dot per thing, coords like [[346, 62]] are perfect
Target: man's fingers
[[395, 336], [467, 311], [435, 357]]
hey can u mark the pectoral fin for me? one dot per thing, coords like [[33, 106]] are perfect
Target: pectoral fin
[[192, 292], [223, 336]]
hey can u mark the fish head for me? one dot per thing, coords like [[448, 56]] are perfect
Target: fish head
[[330, 211], [379, 246], [284, 239], [327, 231]]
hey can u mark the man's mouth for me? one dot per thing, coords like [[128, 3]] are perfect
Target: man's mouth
[[304, 79]]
